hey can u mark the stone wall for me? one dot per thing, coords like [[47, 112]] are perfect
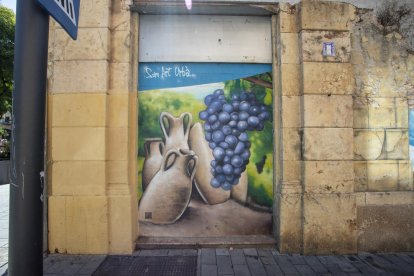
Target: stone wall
[[384, 74], [91, 132]]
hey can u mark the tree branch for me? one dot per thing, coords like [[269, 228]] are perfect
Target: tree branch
[[259, 82]]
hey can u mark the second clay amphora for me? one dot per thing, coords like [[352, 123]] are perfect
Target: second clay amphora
[[168, 194], [175, 130], [154, 149]]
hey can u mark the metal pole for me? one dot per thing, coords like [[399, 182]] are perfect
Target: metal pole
[[28, 133]]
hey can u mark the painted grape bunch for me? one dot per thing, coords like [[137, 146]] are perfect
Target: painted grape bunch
[[225, 129]]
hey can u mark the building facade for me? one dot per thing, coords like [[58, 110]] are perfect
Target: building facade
[[342, 176]]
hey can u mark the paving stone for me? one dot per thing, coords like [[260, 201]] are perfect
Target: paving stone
[[255, 266], [175, 252], [406, 258], [316, 264], [335, 269], [154, 252], [345, 265], [365, 268], [208, 270], [222, 252], [401, 264], [241, 270], [286, 266], [237, 257], [208, 256], [380, 264], [190, 252], [297, 259], [92, 265], [305, 270], [264, 252], [250, 252], [267, 260], [224, 266], [273, 270]]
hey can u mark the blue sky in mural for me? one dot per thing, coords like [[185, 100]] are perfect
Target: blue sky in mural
[[411, 127]]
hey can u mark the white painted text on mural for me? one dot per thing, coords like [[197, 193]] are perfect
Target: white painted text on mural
[[168, 72]]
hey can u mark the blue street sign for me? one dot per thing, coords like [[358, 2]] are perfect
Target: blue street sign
[[66, 12]]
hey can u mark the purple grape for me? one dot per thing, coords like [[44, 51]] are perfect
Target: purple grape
[[243, 96], [212, 145], [236, 161], [253, 121], [215, 126], [224, 145], [264, 116], [203, 115], [235, 181], [218, 92], [235, 132], [242, 125], [226, 186], [260, 127], [212, 118], [243, 116], [208, 136], [235, 98], [226, 159], [224, 117], [235, 105], [244, 106], [208, 99], [215, 183], [234, 116], [221, 178], [228, 169], [251, 97], [228, 108], [243, 137], [229, 152], [222, 97], [219, 169], [245, 155], [254, 110], [230, 178], [231, 140], [211, 110], [207, 127], [233, 124], [226, 130], [239, 148], [218, 153], [237, 170], [218, 136]]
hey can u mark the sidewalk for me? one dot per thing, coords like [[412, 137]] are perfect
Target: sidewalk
[[209, 261]]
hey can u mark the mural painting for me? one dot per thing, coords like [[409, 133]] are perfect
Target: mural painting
[[205, 149]]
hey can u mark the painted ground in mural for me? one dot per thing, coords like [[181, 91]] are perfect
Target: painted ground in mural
[[205, 160]]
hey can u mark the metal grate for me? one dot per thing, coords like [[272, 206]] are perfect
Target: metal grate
[[148, 266]]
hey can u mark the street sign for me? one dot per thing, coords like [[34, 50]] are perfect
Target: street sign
[[66, 12]]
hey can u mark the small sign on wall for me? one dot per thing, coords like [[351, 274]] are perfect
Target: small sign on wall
[[328, 49]]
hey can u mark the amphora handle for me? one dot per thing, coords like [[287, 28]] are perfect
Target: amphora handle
[[186, 127]]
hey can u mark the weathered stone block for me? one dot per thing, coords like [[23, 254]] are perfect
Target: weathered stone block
[[121, 15], [118, 189], [98, 13], [78, 109], [328, 177], [369, 144], [292, 170], [117, 171], [291, 144], [92, 44], [382, 175], [57, 224], [328, 111], [361, 176], [290, 48], [117, 145], [323, 15], [289, 19], [390, 198], [397, 144], [120, 77], [78, 143], [291, 79], [121, 46], [360, 114], [329, 225], [386, 228], [401, 105], [312, 46], [121, 225], [87, 218], [328, 78], [80, 76], [328, 144], [289, 222], [118, 110], [382, 113], [291, 111], [405, 176], [77, 178]]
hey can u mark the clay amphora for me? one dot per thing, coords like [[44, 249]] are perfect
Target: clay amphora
[[203, 174], [239, 191], [175, 130], [154, 149], [168, 194]]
